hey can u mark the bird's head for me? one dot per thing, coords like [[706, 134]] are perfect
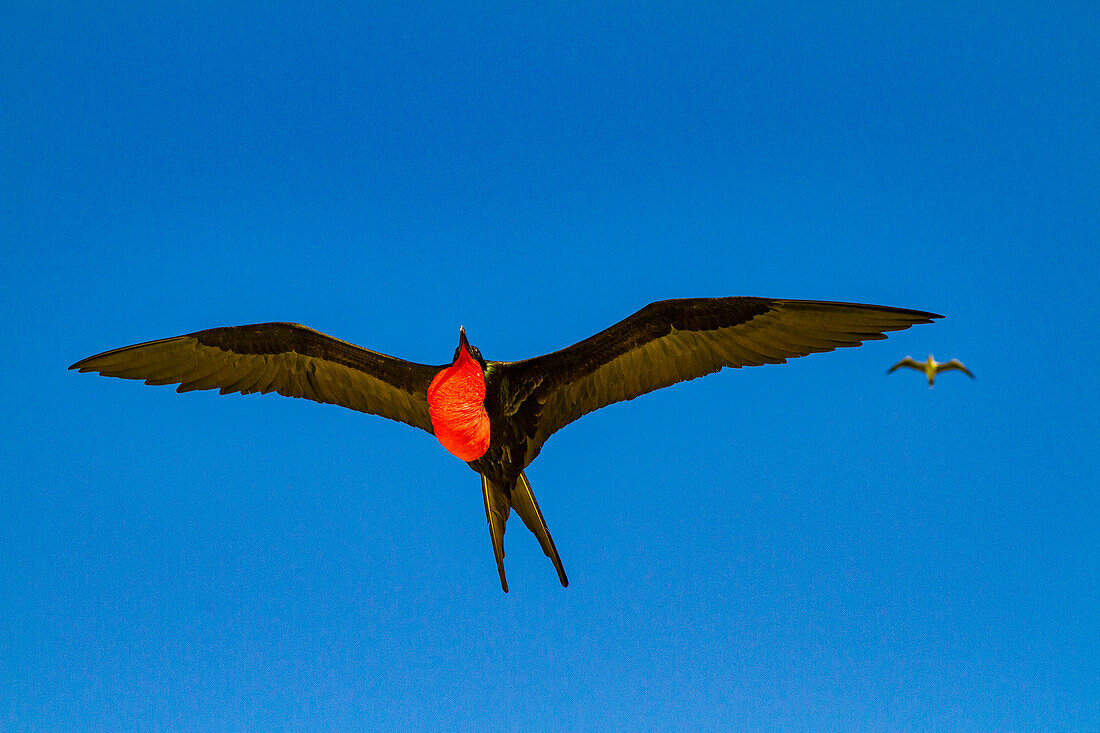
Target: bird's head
[[463, 344]]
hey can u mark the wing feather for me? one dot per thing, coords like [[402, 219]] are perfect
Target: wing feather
[[249, 374], [676, 340], [906, 362], [205, 375], [954, 364], [287, 358]]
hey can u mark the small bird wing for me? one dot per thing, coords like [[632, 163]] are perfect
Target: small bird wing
[[672, 341], [287, 358], [906, 362], [954, 364]]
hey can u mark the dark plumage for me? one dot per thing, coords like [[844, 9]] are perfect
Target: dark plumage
[[526, 401]]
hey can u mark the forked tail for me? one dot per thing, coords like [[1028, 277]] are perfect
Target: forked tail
[[498, 504]]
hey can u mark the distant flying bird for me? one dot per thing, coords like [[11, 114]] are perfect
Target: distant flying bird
[[496, 415], [931, 367]]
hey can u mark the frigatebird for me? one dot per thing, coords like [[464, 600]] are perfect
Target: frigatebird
[[931, 367], [496, 415]]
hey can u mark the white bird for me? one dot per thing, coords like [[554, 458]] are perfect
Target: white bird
[[931, 367]]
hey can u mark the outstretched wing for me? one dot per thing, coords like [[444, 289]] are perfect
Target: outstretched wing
[[906, 362], [278, 357], [675, 340], [954, 364]]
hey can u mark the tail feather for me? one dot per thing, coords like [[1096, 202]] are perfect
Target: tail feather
[[497, 508], [523, 499], [498, 505]]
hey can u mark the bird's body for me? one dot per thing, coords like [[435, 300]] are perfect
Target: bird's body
[[930, 368], [497, 415]]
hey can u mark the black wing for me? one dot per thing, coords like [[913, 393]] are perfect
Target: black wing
[[278, 357], [675, 340]]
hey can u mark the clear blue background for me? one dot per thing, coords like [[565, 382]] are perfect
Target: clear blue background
[[812, 546]]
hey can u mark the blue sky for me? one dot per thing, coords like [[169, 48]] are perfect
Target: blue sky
[[807, 546]]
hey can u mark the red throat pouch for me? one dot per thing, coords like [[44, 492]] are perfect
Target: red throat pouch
[[456, 404]]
